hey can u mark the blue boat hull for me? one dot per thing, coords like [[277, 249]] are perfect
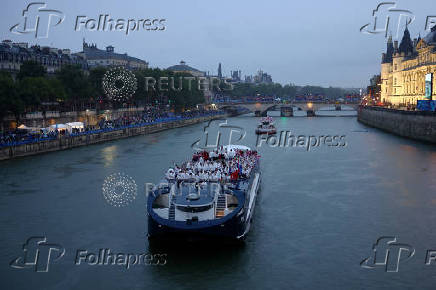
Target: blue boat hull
[[235, 228]]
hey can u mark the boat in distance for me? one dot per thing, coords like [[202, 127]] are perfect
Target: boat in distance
[[266, 126], [211, 196]]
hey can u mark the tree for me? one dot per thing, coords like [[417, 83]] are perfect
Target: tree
[[179, 94], [78, 89], [95, 79], [9, 100], [33, 91], [31, 69]]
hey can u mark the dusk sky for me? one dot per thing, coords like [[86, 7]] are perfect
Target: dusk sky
[[300, 42]]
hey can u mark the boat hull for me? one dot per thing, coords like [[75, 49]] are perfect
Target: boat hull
[[272, 132], [234, 228], [229, 230]]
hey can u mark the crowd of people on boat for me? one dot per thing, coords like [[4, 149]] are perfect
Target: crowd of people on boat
[[219, 165]]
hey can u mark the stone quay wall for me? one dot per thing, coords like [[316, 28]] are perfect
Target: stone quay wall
[[67, 142], [418, 125]]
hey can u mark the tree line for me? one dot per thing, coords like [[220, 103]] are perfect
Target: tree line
[[288, 90], [72, 89]]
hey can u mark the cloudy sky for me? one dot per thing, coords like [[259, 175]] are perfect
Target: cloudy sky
[[300, 42]]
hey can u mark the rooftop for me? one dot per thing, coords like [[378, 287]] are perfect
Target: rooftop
[[92, 52], [182, 67]]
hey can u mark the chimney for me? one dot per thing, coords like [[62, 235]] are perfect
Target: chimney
[[396, 45], [109, 48]]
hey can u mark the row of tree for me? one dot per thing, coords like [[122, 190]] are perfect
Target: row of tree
[[73, 89], [288, 90]]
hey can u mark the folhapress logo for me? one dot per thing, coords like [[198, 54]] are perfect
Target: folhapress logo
[[384, 17], [388, 253], [221, 127], [38, 254], [38, 19]]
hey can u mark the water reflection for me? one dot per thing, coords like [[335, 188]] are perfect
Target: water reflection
[[109, 153]]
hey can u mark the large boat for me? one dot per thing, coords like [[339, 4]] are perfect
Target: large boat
[[266, 126], [211, 196]]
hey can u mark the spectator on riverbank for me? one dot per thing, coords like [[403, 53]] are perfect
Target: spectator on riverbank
[[18, 137]]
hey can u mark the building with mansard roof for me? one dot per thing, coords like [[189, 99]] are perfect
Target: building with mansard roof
[[404, 68], [108, 57], [12, 55]]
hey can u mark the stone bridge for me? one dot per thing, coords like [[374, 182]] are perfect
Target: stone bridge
[[286, 110]]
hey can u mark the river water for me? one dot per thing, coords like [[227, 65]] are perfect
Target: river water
[[318, 214]]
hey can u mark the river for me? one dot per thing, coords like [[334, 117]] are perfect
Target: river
[[318, 214]]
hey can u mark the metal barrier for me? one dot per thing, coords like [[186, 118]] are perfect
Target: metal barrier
[[157, 121]]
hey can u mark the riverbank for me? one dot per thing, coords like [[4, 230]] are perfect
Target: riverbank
[[88, 138], [418, 125]]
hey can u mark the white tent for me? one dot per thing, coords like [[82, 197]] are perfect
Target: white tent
[[23, 127], [29, 129], [75, 125]]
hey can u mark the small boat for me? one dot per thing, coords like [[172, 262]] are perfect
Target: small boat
[[266, 126], [208, 197]]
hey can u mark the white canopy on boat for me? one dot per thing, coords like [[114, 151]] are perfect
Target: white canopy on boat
[[237, 147]]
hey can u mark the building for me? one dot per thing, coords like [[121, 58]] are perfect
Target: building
[[374, 88], [220, 73], [108, 57], [184, 68], [405, 67], [12, 55], [262, 78], [236, 76]]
